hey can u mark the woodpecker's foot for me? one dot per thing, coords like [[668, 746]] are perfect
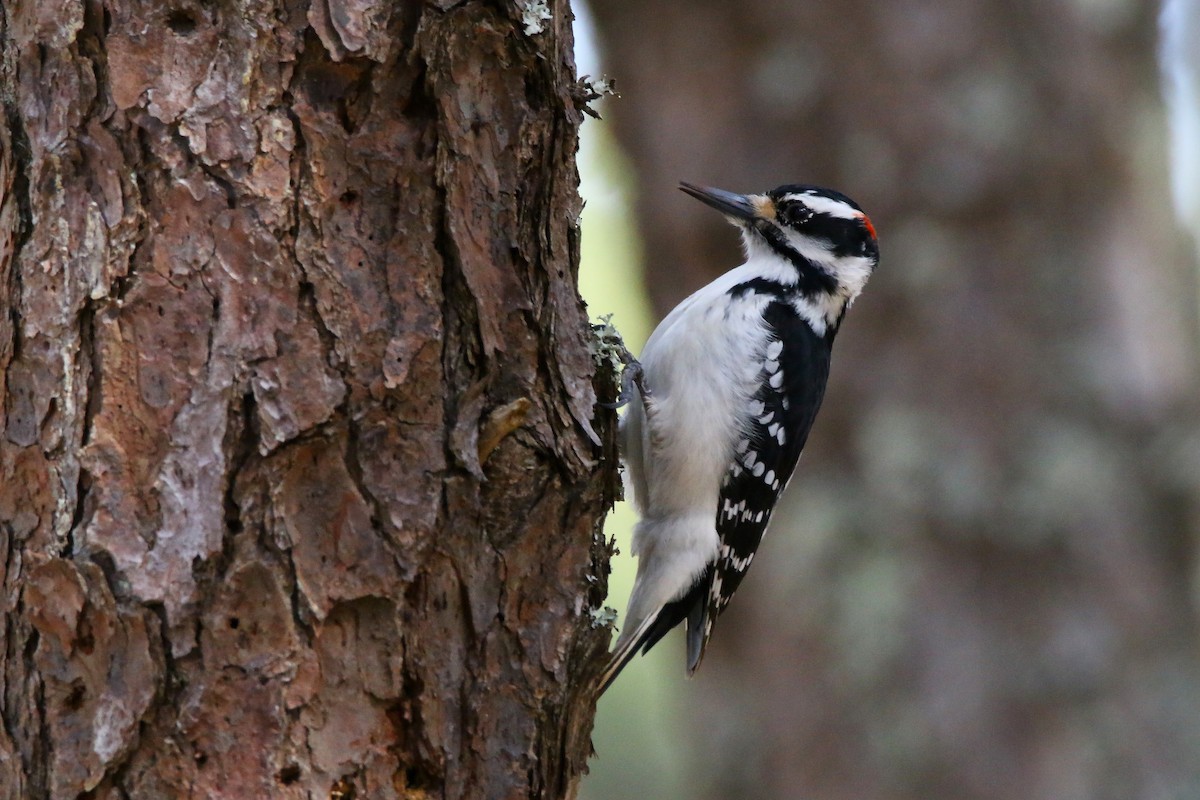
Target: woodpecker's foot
[[633, 375]]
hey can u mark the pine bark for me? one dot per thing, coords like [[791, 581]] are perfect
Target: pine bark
[[300, 485], [985, 584]]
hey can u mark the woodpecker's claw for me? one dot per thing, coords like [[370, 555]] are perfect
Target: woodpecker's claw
[[633, 375]]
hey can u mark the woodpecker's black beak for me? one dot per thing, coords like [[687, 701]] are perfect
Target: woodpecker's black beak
[[738, 206]]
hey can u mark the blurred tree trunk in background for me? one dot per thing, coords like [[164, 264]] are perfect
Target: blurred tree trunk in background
[[984, 587], [299, 495]]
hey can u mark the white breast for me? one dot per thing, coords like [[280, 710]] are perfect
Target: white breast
[[701, 364]]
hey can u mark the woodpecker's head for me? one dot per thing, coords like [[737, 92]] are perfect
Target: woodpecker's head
[[823, 235]]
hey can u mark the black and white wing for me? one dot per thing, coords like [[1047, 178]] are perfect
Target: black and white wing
[[792, 384]]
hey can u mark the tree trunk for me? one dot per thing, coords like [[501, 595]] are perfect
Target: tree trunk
[[985, 589], [300, 488]]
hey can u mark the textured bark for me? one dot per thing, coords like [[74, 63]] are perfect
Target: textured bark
[[300, 488], [986, 587]]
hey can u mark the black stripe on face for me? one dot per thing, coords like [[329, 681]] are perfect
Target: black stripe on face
[[846, 237], [811, 279]]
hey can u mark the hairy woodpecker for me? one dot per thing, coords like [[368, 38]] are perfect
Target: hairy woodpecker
[[729, 384]]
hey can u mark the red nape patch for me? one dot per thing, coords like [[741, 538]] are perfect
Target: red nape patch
[[870, 228]]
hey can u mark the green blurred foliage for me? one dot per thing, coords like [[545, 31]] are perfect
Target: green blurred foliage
[[636, 753]]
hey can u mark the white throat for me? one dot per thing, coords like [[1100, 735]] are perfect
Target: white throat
[[822, 309]]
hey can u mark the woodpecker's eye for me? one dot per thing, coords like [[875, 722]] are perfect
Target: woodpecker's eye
[[795, 214]]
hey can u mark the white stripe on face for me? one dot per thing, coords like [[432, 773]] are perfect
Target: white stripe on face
[[826, 205]]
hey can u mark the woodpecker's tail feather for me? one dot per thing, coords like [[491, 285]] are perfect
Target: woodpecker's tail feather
[[624, 653], [698, 629], [693, 607]]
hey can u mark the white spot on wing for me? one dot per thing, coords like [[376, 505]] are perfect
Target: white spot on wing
[[741, 564]]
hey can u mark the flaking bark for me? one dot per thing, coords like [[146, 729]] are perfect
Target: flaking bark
[[300, 485]]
